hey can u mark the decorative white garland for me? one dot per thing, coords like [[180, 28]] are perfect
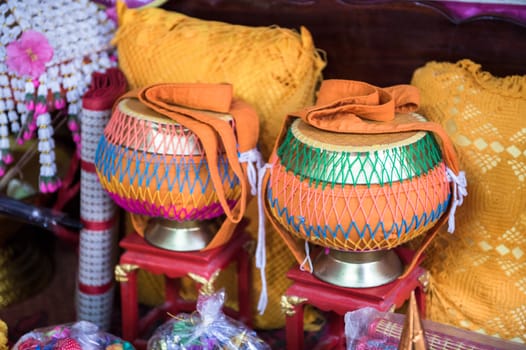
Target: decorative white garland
[[79, 33]]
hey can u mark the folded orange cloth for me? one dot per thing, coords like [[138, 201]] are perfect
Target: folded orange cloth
[[348, 106]]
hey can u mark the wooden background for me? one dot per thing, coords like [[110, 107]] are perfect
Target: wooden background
[[380, 41]]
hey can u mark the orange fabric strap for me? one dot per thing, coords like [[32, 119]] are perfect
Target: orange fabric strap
[[347, 106], [185, 103]]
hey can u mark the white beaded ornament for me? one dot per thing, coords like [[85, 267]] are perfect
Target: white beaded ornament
[[79, 33]]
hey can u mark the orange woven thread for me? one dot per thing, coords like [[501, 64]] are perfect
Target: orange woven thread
[[171, 100], [479, 273], [374, 217], [188, 197], [136, 134]]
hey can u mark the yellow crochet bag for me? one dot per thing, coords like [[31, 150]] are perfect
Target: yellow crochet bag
[[3, 336], [479, 274], [276, 70]]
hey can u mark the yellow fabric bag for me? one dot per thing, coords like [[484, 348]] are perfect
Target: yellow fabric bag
[[3, 336], [276, 70], [478, 275]]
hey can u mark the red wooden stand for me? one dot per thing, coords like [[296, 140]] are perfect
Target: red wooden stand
[[307, 289], [174, 265]]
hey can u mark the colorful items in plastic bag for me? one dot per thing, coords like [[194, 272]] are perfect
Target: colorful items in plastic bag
[[81, 335], [370, 329], [209, 329], [49, 50]]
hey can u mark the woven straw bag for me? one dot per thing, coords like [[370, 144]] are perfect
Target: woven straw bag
[[479, 273], [276, 70], [3, 336]]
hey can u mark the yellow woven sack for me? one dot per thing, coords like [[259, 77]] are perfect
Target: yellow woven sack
[[274, 69], [479, 273], [3, 336]]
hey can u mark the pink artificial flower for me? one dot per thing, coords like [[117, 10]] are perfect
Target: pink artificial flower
[[29, 54]]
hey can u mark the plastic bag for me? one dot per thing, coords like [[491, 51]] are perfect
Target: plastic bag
[[207, 329], [370, 329], [82, 335]]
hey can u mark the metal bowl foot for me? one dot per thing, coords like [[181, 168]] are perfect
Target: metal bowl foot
[[358, 269], [180, 236]]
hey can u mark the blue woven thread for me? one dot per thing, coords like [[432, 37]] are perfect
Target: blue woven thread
[[112, 160], [298, 223]]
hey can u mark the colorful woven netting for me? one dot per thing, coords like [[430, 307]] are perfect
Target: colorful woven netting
[[325, 167], [382, 205], [276, 70], [390, 198], [158, 168], [479, 273]]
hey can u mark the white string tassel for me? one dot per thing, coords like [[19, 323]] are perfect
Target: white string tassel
[[254, 162], [261, 253], [307, 259], [459, 192], [255, 173]]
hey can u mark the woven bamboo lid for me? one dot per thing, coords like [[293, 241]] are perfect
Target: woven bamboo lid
[[346, 142]]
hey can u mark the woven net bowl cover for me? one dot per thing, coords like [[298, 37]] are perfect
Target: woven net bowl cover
[[152, 166], [357, 192]]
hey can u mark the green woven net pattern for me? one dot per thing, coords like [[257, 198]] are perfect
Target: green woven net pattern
[[326, 167]]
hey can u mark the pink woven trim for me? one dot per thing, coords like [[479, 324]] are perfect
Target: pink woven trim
[[172, 212]]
